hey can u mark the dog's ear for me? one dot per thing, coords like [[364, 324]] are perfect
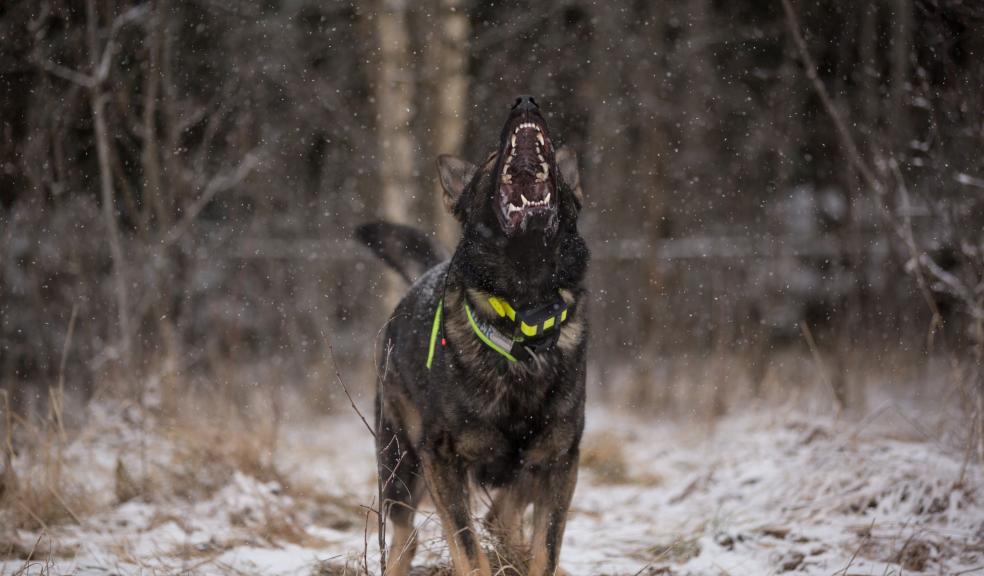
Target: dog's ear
[[567, 164], [455, 175]]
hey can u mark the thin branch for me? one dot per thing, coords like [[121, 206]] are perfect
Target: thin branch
[[338, 378], [132, 15], [822, 367], [219, 183], [950, 284], [919, 259], [66, 73], [910, 240], [854, 155]]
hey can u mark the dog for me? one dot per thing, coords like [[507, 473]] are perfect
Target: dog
[[483, 384]]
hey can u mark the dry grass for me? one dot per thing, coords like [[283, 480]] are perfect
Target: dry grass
[[602, 454], [36, 490], [189, 449]]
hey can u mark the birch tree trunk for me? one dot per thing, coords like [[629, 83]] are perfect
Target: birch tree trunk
[[394, 90], [449, 55], [395, 103]]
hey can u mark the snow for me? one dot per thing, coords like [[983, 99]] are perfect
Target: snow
[[762, 492]]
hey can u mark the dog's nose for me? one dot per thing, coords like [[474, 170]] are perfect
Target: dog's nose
[[525, 103]]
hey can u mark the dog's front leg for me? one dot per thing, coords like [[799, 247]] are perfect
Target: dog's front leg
[[448, 483], [551, 499]]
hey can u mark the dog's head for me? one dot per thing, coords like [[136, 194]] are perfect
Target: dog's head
[[526, 187]]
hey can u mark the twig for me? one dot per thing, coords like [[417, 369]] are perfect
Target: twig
[[821, 367], [68, 343], [843, 572], [365, 540], [68, 74], [30, 555], [219, 183], [65, 505], [854, 155], [338, 378], [9, 477], [57, 395]]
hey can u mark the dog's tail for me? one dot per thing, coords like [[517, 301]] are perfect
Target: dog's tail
[[407, 250]]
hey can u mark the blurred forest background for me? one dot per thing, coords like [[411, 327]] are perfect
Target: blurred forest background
[[775, 194]]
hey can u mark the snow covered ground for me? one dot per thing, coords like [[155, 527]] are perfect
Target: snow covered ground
[[764, 492]]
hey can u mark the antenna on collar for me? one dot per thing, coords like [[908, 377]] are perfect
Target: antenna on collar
[[444, 291]]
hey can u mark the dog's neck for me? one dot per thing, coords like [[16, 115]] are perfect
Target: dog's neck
[[524, 271]]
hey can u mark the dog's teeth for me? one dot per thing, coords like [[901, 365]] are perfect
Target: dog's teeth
[[525, 201], [513, 141], [547, 199], [546, 168], [539, 138]]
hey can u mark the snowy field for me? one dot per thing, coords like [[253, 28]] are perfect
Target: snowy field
[[758, 493]]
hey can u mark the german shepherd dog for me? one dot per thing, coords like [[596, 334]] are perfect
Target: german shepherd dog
[[483, 384]]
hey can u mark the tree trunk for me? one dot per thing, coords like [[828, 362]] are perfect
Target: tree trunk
[[901, 40], [394, 89], [650, 73], [98, 101], [449, 57], [395, 102], [605, 161]]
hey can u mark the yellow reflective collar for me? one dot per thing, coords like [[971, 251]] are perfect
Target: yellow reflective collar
[[532, 322]]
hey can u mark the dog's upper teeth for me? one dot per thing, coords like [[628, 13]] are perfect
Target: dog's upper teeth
[[513, 141], [546, 168], [525, 201], [547, 199], [539, 137]]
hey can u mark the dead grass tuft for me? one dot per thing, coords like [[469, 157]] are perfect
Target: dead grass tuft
[[914, 555], [602, 454], [35, 490], [212, 440], [334, 567], [678, 551]]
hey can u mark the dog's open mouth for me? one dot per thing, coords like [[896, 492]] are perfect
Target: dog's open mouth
[[527, 196]]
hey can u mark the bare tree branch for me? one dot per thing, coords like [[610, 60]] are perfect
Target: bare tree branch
[[219, 183], [854, 154]]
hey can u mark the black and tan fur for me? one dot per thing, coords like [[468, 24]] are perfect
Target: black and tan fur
[[474, 419]]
